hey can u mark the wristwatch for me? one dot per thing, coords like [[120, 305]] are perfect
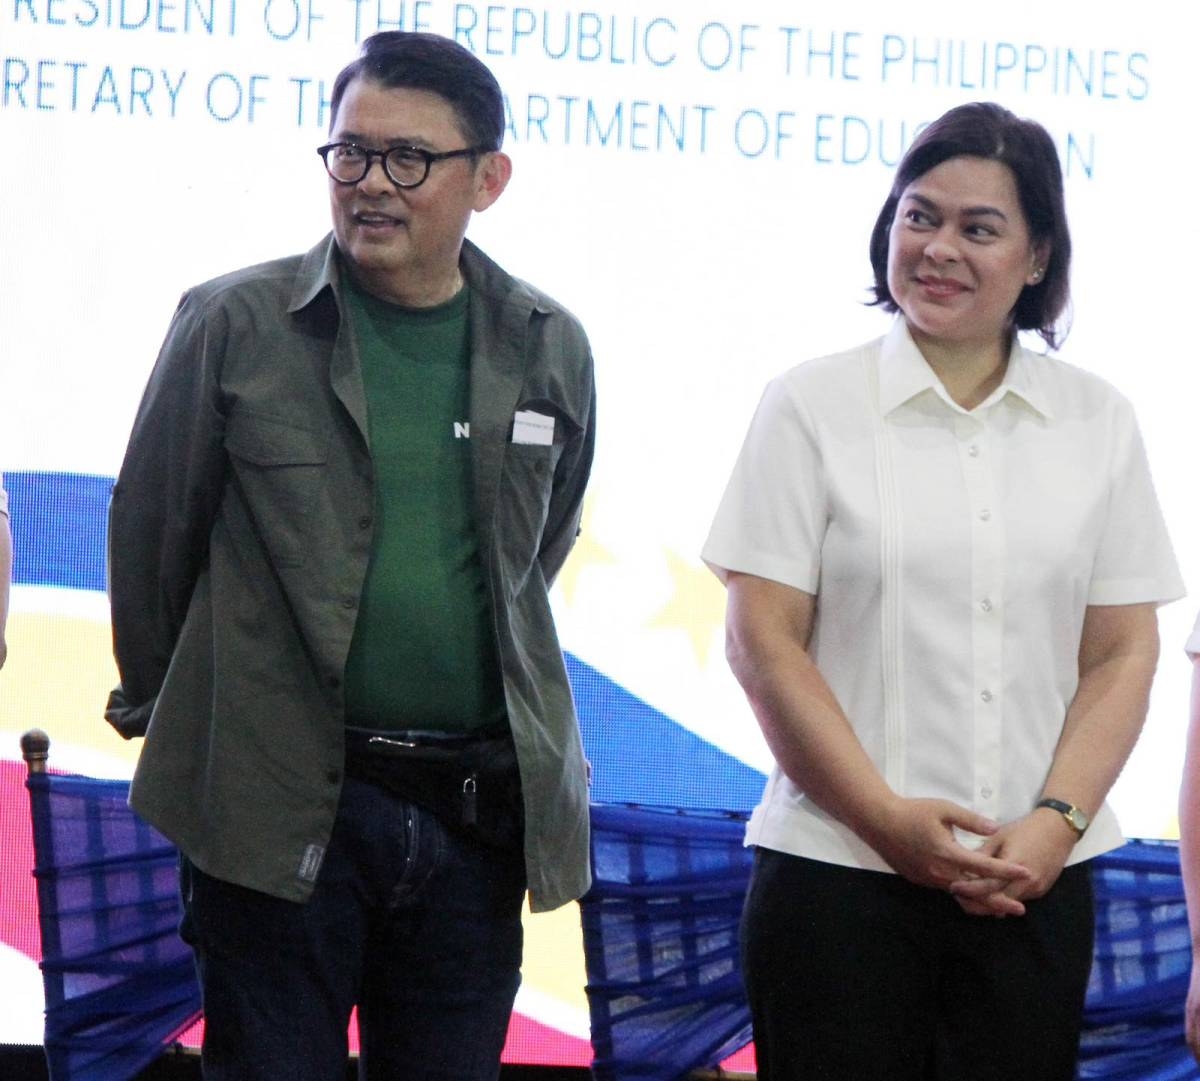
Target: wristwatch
[[1076, 819]]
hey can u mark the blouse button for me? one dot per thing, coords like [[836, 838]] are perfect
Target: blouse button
[[985, 515], [973, 450], [986, 604], [986, 695]]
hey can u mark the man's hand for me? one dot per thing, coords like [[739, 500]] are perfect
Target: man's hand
[[918, 842], [1040, 841]]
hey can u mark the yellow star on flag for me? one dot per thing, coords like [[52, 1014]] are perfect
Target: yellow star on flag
[[697, 604], [588, 552]]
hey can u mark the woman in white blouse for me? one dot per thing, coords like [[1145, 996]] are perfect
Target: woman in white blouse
[[943, 554]]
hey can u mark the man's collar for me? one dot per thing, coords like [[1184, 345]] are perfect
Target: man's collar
[[318, 271], [904, 373]]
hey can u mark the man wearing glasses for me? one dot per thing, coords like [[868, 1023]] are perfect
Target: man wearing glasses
[[352, 478]]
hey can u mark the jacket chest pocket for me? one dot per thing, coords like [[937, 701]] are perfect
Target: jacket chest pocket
[[526, 485], [279, 470]]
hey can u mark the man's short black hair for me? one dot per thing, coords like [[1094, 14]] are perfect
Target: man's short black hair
[[397, 58]]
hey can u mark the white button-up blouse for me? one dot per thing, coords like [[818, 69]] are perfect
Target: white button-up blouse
[[953, 554]]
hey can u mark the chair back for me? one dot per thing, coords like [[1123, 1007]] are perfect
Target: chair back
[[120, 984]]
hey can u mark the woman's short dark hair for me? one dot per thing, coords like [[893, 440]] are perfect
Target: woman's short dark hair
[[397, 58], [986, 130]]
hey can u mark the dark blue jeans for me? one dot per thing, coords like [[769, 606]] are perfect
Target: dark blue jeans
[[418, 926]]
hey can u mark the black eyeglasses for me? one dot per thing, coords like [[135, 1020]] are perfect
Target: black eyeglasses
[[406, 166]]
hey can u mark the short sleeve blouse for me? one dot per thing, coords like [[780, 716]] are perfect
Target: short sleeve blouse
[[954, 554]]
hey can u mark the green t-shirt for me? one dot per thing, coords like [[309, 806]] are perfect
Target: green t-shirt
[[423, 654]]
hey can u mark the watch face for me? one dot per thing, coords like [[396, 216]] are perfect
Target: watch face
[[1077, 819]]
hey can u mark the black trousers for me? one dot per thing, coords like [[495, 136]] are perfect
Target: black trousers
[[857, 975]]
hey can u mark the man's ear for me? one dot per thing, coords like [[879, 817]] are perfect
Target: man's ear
[[491, 178]]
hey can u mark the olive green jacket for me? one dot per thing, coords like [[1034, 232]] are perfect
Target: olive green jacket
[[239, 534]]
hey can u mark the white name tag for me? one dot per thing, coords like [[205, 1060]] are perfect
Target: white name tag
[[534, 428]]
